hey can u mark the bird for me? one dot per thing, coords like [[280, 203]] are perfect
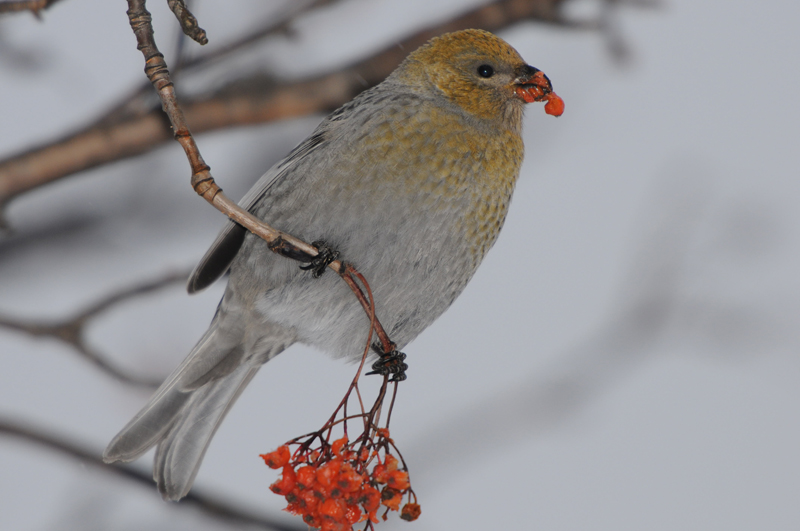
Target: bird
[[410, 182]]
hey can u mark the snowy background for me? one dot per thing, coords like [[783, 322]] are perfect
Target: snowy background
[[625, 359]]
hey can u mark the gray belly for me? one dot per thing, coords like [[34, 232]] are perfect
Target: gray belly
[[416, 261]]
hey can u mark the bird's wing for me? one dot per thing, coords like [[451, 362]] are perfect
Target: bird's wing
[[219, 256]]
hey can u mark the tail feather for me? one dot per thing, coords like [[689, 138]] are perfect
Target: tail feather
[[148, 427], [183, 446], [217, 354], [185, 412]]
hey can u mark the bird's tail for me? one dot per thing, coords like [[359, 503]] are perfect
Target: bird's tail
[[183, 446], [185, 412]]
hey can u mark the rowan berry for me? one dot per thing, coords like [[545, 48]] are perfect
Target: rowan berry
[[278, 458]]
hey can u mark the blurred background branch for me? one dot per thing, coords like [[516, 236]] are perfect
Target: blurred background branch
[[611, 382], [71, 330], [137, 125], [208, 504]]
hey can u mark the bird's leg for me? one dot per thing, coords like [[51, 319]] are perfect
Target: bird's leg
[[391, 362], [320, 262]]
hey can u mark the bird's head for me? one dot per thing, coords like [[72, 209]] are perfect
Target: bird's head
[[480, 73]]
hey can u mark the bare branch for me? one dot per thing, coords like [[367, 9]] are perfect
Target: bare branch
[[262, 100], [188, 21], [34, 6], [278, 24], [208, 504], [203, 182], [72, 329], [137, 102]]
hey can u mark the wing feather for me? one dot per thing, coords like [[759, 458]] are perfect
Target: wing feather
[[219, 256]]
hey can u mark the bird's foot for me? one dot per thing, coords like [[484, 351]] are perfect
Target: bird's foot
[[320, 262], [391, 363]]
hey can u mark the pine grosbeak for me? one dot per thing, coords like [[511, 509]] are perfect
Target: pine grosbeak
[[410, 182]]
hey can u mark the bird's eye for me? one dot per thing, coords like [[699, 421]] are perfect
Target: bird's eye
[[485, 71]]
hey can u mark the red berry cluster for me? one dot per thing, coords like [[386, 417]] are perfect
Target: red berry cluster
[[333, 488]]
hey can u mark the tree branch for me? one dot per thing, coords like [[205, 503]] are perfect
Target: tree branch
[[138, 103], [208, 504], [187, 21], [203, 182], [243, 102], [72, 329], [278, 24]]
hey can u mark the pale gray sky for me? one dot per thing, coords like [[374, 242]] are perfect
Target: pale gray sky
[[625, 359]]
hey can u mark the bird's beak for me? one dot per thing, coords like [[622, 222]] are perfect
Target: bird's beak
[[532, 85]]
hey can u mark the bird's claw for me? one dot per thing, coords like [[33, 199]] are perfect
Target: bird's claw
[[390, 363], [320, 262]]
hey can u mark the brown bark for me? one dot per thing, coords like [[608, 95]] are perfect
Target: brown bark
[[112, 139]]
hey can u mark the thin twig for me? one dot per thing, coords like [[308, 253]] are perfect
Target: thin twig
[[203, 182], [137, 103], [277, 24], [187, 21], [391, 405], [72, 329], [368, 303], [109, 140], [208, 504]]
